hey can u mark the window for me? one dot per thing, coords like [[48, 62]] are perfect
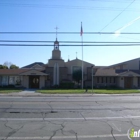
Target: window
[[18, 80], [4, 80], [76, 68], [11, 80], [114, 79], [110, 79], [106, 79], [97, 79], [102, 80]]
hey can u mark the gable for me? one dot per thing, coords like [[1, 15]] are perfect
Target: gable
[[37, 66], [77, 62], [106, 72], [33, 72], [129, 73]]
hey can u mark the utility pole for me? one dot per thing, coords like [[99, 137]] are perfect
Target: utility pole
[[92, 78]]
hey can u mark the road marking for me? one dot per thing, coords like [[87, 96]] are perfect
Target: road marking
[[69, 119], [65, 137]]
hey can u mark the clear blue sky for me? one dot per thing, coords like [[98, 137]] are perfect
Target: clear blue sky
[[45, 15]]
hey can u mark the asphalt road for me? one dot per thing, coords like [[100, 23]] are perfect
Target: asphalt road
[[97, 117]]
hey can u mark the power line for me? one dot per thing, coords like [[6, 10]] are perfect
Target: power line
[[66, 7], [35, 41], [69, 33], [118, 15], [90, 45]]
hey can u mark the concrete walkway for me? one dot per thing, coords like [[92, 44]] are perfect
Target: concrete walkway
[[26, 92]]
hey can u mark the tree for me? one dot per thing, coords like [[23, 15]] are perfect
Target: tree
[[1, 66], [5, 67], [77, 76], [14, 67], [7, 64]]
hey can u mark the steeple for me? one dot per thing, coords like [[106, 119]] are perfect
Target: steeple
[[56, 43], [68, 58], [56, 53], [76, 55]]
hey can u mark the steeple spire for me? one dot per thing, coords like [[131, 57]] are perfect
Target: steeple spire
[[68, 58], [56, 43], [56, 32]]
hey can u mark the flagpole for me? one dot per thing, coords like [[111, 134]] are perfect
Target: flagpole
[[82, 62], [82, 53]]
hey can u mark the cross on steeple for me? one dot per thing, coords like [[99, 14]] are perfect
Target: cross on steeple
[[56, 28], [68, 58]]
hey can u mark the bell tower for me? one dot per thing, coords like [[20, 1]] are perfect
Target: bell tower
[[56, 63], [56, 53], [56, 45]]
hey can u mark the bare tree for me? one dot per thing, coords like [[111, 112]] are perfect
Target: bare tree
[[8, 64]]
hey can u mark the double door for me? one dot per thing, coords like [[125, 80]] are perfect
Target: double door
[[34, 82]]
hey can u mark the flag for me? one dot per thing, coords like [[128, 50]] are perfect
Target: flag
[[81, 33]]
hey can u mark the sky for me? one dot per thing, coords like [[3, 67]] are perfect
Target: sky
[[44, 15]]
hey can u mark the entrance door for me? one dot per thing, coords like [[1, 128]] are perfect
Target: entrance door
[[34, 82], [128, 81]]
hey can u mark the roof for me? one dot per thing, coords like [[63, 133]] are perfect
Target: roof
[[21, 72], [113, 72], [122, 62], [100, 67], [78, 60], [33, 64], [129, 73], [33, 72], [12, 71], [106, 72]]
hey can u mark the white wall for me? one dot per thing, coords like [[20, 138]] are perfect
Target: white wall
[[26, 81], [121, 82], [42, 82], [135, 81]]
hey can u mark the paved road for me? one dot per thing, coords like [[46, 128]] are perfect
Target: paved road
[[97, 117]]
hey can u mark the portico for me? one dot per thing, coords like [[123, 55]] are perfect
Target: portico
[[34, 79]]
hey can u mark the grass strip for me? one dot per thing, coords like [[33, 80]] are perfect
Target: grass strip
[[98, 91]]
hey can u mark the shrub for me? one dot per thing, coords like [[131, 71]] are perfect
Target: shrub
[[68, 85]]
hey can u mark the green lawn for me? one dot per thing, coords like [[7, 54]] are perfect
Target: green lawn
[[76, 91], [79, 91], [5, 90]]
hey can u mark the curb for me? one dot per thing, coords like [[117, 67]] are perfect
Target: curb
[[64, 95]]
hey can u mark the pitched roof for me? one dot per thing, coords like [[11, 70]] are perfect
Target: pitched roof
[[78, 60], [12, 71], [105, 72], [33, 64], [129, 73], [113, 72], [122, 62], [33, 72], [20, 71], [100, 67]]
